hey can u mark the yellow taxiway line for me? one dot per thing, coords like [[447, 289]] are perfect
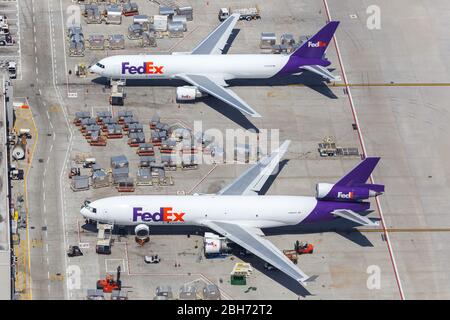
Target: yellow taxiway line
[[368, 85], [406, 230]]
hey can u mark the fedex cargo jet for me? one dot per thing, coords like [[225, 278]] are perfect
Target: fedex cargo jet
[[206, 69], [238, 213]]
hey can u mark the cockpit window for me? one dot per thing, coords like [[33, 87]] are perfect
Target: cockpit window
[[98, 64], [89, 207]]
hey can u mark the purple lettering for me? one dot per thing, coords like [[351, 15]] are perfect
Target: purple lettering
[[125, 67]]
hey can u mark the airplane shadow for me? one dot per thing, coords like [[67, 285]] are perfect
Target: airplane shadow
[[233, 35], [344, 228], [308, 79]]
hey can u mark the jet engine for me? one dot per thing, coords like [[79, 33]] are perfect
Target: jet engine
[[328, 191], [215, 245], [142, 231], [188, 93]]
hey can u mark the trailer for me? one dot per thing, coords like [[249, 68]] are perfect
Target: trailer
[[126, 185], [245, 13], [96, 42], [116, 42], [130, 9], [145, 149]]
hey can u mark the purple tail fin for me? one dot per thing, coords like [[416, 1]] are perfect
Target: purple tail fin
[[359, 175], [315, 47]]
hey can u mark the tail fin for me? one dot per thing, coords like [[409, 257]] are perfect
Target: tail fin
[[315, 47], [359, 175]]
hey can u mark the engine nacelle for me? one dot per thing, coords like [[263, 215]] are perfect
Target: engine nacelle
[[213, 244], [328, 191], [142, 231], [188, 93]]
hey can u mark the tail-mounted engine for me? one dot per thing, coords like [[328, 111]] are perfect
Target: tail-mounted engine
[[328, 191]]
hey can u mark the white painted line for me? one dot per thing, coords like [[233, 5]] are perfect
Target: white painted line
[[19, 40], [391, 252], [51, 148], [61, 101]]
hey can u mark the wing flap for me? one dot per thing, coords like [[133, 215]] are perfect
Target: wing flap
[[253, 240], [252, 180], [205, 84], [216, 41]]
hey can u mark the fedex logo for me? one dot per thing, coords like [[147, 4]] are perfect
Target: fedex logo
[[165, 214], [146, 68], [318, 44], [345, 195]]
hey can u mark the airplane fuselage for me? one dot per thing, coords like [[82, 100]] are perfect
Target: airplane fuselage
[[256, 211], [233, 66]]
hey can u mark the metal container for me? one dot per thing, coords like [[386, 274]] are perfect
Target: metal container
[[135, 31], [211, 292], [166, 11], [188, 293], [96, 42], [113, 15], [119, 162], [175, 29], [181, 19], [143, 177], [159, 23], [143, 20], [186, 11], [287, 39], [149, 39], [116, 41], [268, 39], [93, 14], [130, 8], [75, 29]]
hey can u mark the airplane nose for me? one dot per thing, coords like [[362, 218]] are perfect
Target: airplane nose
[[92, 69], [85, 213]]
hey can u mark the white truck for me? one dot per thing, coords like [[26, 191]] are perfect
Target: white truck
[[12, 70], [246, 13]]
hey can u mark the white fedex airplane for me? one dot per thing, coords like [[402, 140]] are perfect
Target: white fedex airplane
[[239, 213], [207, 69]]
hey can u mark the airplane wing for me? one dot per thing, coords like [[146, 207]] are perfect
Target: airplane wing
[[322, 71], [210, 86], [215, 42], [253, 240], [252, 180]]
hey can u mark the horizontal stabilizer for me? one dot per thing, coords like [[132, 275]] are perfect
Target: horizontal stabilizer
[[353, 216], [323, 72]]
